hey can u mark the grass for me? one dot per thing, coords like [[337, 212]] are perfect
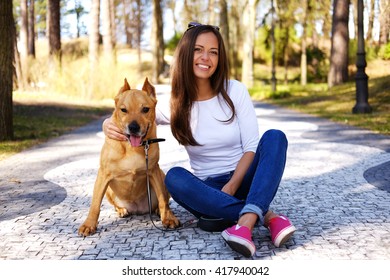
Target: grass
[[36, 122], [336, 103]]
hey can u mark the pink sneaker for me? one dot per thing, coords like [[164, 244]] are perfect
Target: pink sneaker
[[239, 238], [281, 230]]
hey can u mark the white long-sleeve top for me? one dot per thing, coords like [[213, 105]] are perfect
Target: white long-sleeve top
[[222, 143]]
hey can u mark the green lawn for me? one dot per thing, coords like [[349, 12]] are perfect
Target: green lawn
[[39, 121], [336, 103]]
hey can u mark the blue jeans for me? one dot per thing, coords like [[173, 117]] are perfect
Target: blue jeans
[[258, 188]]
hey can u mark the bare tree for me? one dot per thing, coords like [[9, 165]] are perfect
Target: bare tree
[[157, 41], [249, 23], [338, 72], [6, 69]]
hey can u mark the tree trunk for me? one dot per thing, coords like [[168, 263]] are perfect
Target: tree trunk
[[234, 38], [249, 23], [371, 21], [157, 41], [6, 69], [19, 81], [31, 29], [54, 34], [93, 47], [384, 22], [224, 25], [355, 17], [113, 24], [139, 34], [338, 72], [304, 44], [24, 41], [108, 46]]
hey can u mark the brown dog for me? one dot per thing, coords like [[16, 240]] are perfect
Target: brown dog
[[122, 172]]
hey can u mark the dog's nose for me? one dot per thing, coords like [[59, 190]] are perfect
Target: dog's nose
[[134, 127]]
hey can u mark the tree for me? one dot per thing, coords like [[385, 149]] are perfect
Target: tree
[[306, 9], [54, 31], [31, 29], [6, 69], [24, 42], [235, 37], [338, 72], [93, 46], [249, 24], [371, 21], [78, 10], [107, 31], [384, 21], [157, 41]]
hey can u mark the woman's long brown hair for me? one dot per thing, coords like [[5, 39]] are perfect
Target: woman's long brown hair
[[184, 89]]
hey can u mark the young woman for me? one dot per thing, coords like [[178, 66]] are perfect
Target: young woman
[[234, 175]]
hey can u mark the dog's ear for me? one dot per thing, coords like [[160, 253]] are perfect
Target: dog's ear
[[149, 88], [125, 87]]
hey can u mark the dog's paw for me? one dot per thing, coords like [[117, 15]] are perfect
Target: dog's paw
[[87, 229], [170, 221], [122, 212]]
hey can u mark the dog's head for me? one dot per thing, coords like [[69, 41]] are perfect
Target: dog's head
[[135, 112]]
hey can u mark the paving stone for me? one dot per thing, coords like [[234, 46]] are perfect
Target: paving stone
[[336, 190]]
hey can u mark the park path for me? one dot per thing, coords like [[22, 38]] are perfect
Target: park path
[[336, 191]]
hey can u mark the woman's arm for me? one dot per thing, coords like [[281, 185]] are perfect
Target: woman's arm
[[112, 131], [242, 167]]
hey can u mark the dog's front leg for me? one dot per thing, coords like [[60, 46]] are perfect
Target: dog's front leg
[[90, 224], [168, 219]]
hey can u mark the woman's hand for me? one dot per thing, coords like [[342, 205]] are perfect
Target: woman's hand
[[112, 131], [229, 189], [234, 183]]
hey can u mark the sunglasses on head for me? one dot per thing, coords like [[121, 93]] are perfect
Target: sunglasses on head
[[195, 24]]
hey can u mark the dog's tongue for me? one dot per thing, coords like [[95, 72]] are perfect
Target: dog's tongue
[[135, 141]]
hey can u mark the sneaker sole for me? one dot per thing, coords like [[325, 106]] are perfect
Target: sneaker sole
[[284, 235], [239, 245]]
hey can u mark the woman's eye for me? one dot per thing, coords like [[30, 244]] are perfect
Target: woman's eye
[[145, 110], [124, 110], [198, 50], [214, 53]]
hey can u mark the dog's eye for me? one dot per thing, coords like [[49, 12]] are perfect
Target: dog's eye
[[145, 110], [124, 110]]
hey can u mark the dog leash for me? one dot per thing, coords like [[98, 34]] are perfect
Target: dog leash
[[146, 144]]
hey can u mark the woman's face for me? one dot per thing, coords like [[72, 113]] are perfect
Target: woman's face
[[205, 55]]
